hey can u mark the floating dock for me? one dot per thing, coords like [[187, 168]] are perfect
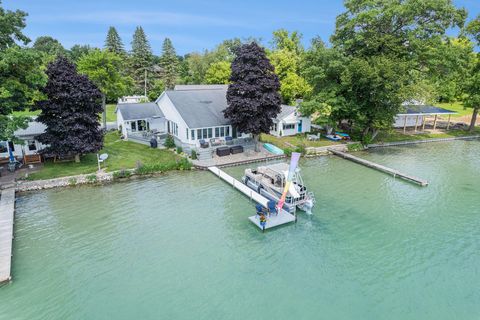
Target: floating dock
[[281, 218], [7, 207], [379, 167]]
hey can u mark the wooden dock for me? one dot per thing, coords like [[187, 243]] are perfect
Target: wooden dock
[[379, 167], [281, 218], [7, 207]]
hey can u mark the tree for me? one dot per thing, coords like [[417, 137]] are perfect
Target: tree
[[218, 73], [253, 98], [140, 60], [70, 112], [113, 42], [156, 90], [104, 69], [49, 45], [78, 51], [169, 64], [11, 25], [472, 87], [21, 74]]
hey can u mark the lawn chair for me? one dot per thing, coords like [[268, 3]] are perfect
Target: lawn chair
[[228, 141], [203, 144]]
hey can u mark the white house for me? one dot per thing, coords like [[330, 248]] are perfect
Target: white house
[[28, 150], [136, 119], [290, 122], [132, 99], [195, 112]]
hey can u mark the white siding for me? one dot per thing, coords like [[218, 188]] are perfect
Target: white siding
[[172, 115], [289, 121]]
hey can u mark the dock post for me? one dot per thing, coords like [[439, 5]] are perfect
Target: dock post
[[435, 122]]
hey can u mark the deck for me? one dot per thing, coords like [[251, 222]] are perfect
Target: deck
[[273, 221], [7, 207], [379, 167]]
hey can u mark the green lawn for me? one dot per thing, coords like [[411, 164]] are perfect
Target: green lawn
[[457, 107], [297, 140], [396, 136], [111, 116], [27, 112], [121, 155]]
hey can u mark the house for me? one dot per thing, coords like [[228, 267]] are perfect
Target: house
[[138, 119], [28, 150], [195, 112], [290, 122], [132, 99], [416, 115]]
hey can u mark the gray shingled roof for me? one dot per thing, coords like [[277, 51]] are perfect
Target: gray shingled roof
[[201, 107], [285, 111], [34, 129], [135, 111], [424, 110], [182, 87]]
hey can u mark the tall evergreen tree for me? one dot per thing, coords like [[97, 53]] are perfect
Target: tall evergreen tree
[[253, 98], [70, 112], [113, 42], [169, 64], [141, 59]]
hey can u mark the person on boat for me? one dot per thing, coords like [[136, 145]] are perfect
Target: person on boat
[[263, 221]]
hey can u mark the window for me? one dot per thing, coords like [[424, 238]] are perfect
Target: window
[[227, 131], [133, 125], [287, 126], [31, 145], [210, 132], [217, 132], [3, 147], [205, 133], [11, 146], [222, 132], [142, 125], [274, 127], [186, 133], [193, 134]]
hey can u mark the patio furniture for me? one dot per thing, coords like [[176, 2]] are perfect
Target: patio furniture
[[223, 151], [236, 149], [203, 144], [313, 137], [228, 141], [215, 142]]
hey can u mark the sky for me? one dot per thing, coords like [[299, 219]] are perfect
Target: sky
[[192, 25]]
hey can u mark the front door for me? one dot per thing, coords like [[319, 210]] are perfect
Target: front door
[[300, 126]]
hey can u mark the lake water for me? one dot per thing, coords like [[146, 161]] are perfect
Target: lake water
[[180, 246]]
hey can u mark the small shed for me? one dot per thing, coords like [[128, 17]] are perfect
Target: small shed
[[415, 116]]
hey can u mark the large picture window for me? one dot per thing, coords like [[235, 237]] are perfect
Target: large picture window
[[288, 126], [32, 146]]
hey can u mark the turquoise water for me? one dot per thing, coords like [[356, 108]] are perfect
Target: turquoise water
[[180, 246]]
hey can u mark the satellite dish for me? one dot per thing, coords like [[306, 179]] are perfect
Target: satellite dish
[[103, 156]]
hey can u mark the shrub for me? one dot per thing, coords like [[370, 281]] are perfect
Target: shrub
[[92, 178], [288, 151], [121, 174], [72, 181], [194, 155], [300, 149], [184, 164], [169, 142], [179, 150], [355, 146]]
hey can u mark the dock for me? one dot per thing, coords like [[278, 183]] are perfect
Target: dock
[[7, 207], [379, 167], [281, 218]]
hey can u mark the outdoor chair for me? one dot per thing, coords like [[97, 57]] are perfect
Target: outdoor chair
[[215, 142], [203, 144], [228, 141]]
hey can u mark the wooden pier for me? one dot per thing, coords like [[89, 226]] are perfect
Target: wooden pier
[[7, 207], [281, 218], [379, 167]]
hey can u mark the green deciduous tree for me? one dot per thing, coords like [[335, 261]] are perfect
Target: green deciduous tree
[[11, 26], [169, 64], [49, 46], [218, 73], [156, 89], [472, 85], [113, 42], [78, 51], [104, 69]]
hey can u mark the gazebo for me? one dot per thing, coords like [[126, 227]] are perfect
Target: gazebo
[[415, 115]]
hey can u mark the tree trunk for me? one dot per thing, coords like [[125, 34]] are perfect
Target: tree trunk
[[256, 137], [77, 157], [104, 115], [474, 119]]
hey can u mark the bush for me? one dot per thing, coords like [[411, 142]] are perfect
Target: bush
[[72, 181], [288, 151], [184, 164], [150, 168], [169, 142], [354, 146], [300, 149], [179, 150], [194, 155], [121, 174], [92, 178]]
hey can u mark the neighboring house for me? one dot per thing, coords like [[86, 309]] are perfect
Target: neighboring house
[[135, 119], [28, 150], [195, 112], [132, 99], [290, 122], [415, 116]]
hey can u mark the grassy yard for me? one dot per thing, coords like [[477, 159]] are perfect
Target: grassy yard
[[396, 136], [111, 116], [297, 140], [457, 107], [121, 155]]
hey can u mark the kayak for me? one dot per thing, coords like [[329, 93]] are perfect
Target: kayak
[[273, 149]]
